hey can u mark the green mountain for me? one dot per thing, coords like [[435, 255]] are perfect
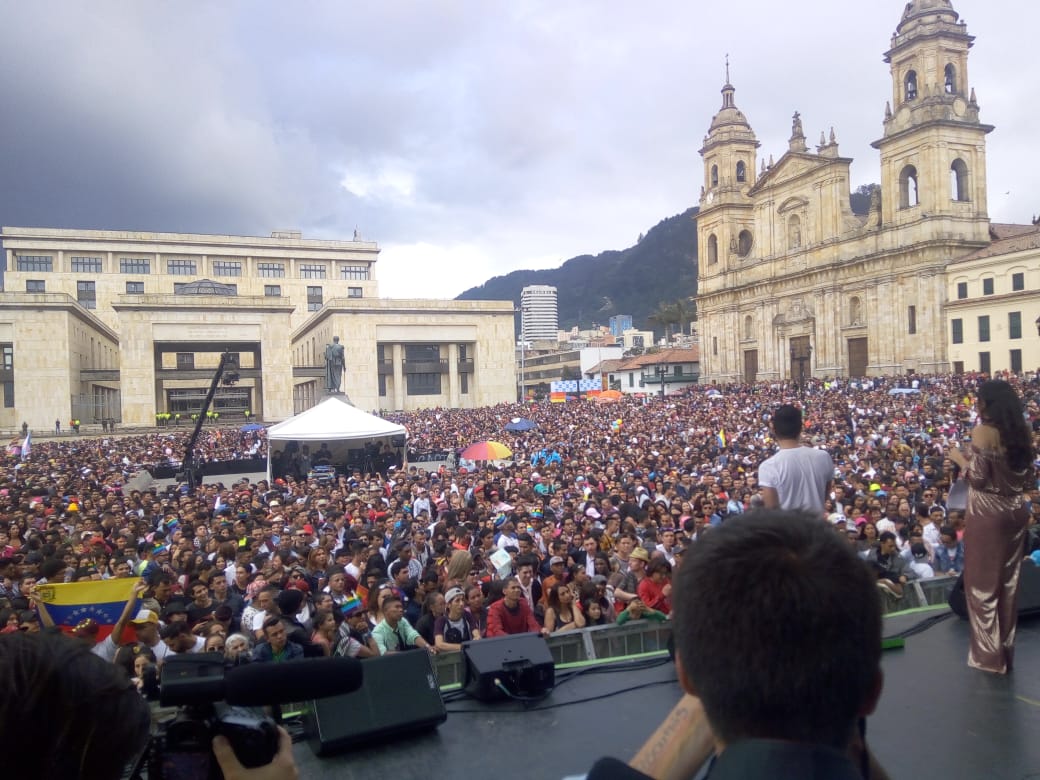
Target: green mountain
[[660, 268]]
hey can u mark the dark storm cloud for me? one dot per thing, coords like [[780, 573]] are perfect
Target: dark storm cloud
[[491, 135]]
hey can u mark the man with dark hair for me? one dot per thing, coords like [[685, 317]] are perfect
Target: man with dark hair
[[892, 570], [394, 633], [276, 646], [783, 691], [796, 477], [511, 614]]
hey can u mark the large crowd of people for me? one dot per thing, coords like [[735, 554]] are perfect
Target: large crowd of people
[[584, 526]]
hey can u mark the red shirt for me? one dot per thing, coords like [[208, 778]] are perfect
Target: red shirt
[[502, 620], [653, 596]]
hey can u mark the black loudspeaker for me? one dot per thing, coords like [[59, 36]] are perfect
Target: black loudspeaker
[[1028, 592], [399, 696], [521, 663], [397, 441]]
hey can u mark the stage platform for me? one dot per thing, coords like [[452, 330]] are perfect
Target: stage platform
[[937, 718]]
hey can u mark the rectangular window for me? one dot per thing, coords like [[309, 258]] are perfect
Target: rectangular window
[[1016, 361], [314, 298], [1015, 324], [271, 270], [353, 292], [677, 370], [272, 291], [9, 394], [958, 331], [135, 265], [984, 328], [35, 263], [86, 265], [464, 384], [351, 272], [984, 362], [962, 290], [987, 286], [631, 379], [911, 320], [35, 286], [227, 267], [422, 353], [181, 267], [1018, 282], [424, 384], [312, 271], [135, 288], [86, 295], [185, 360], [7, 351], [958, 366], [714, 345], [382, 384]]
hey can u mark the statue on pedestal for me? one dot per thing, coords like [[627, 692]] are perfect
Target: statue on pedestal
[[334, 364]]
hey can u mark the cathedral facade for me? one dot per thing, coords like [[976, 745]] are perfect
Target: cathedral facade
[[792, 283]]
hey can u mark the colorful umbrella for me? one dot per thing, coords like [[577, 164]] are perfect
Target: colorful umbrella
[[486, 450], [520, 424]]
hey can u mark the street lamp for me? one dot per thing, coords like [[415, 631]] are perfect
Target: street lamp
[[661, 371]]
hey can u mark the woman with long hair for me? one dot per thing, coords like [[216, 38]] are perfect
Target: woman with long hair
[[999, 470], [563, 612]]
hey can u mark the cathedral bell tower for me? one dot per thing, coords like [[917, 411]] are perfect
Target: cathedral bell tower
[[933, 152], [725, 221]]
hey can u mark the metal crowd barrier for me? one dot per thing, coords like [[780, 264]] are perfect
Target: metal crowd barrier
[[920, 593]]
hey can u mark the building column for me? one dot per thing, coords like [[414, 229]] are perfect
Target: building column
[[453, 376], [398, 377]]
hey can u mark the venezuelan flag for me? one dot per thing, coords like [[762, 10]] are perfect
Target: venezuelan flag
[[102, 600], [722, 437]]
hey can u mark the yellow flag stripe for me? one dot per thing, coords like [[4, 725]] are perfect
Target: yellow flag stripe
[[92, 592]]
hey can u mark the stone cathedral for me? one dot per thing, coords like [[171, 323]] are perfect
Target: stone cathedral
[[792, 283]]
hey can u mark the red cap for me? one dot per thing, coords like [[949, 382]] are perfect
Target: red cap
[[308, 529]]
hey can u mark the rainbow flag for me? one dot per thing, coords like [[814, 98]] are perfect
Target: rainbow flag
[[102, 600], [351, 603]]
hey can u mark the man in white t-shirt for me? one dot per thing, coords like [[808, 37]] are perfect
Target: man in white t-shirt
[[797, 477]]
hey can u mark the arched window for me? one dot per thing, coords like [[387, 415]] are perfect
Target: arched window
[[714, 176], [741, 171], [744, 242], [794, 232], [749, 328], [713, 249], [959, 180], [855, 311], [951, 79], [908, 187], [910, 85]]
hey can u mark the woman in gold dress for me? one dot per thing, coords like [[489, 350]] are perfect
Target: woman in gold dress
[[999, 470]]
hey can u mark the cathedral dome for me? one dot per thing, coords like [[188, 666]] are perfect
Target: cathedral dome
[[918, 8]]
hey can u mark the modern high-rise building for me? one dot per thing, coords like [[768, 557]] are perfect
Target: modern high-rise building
[[540, 313], [619, 323]]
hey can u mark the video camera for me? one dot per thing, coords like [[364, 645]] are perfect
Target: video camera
[[214, 700]]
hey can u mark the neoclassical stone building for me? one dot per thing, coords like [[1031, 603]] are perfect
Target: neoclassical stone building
[[792, 283], [123, 325]]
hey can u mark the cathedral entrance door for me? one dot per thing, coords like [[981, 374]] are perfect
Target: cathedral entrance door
[[857, 357], [750, 365]]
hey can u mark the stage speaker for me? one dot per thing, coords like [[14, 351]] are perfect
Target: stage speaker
[[522, 663], [399, 697], [1028, 592]]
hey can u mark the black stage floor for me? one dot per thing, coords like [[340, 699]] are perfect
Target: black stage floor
[[937, 719]]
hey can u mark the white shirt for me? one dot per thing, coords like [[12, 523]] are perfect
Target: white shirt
[[800, 476]]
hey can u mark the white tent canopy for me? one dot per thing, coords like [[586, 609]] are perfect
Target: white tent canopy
[[336, 426]]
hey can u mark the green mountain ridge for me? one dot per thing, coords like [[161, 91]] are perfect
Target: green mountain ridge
[[660, 268]]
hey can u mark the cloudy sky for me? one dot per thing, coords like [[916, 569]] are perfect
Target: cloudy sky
[[469, 138]]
